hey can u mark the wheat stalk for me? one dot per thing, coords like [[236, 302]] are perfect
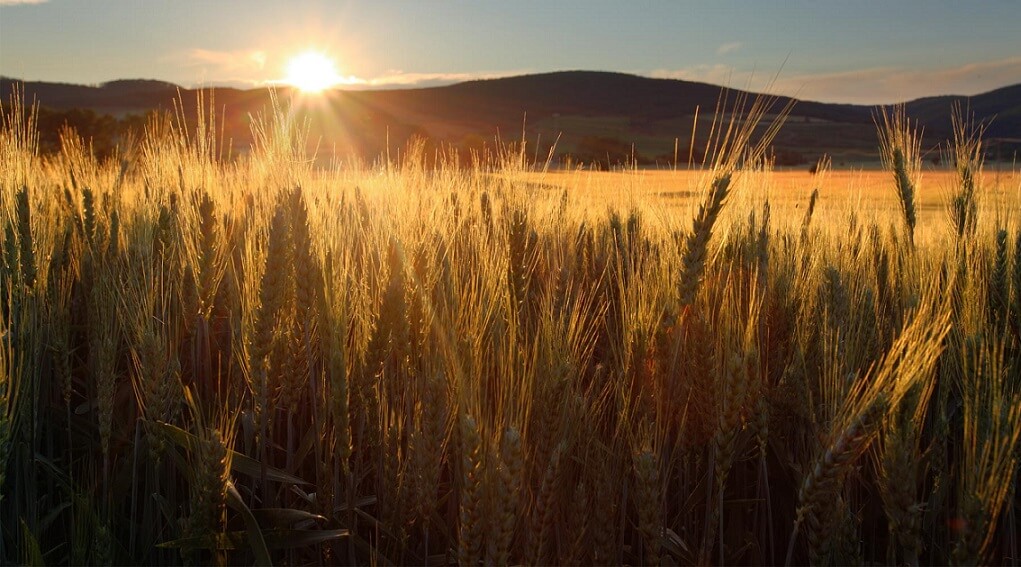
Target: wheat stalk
[[992, 430], [579, 526], [697, 241], [604, 514], [1015, 310], [506, 501], [545, 506], [900, 147], [967, 157], [825, 479], [210, 456], [807, 221], [103, 353], [470, 517], [998, 303], [429, 442], [27, 243], [9, 389], [647, 502], [899, 476]]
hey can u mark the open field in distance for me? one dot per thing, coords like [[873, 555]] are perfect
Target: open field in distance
[[871, 193]]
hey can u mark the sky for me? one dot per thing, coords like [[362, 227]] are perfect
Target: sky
[[866, 52]]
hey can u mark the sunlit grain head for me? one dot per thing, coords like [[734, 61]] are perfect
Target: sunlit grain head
[[312, 72]]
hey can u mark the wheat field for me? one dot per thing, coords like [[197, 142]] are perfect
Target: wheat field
[[421, 361]]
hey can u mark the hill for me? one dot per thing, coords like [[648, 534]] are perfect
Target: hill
[[594, 115]]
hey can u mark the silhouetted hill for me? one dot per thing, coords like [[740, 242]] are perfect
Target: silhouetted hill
[[589, 111], [1002, 106], [602, 93], [137, 85], [134, 94]]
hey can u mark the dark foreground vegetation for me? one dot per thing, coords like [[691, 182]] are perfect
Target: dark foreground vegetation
[[253, 361]]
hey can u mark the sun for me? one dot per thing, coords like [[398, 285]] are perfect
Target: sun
[[312, 72]]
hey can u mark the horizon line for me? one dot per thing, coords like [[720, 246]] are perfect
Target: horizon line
[[433, 83]]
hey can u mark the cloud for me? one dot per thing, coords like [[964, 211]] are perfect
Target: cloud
[[237, 60], [883, 85], [873, 85], [729, 47], [257, 67], [242, 68], [397, 78], [717, 74], [21, 2]]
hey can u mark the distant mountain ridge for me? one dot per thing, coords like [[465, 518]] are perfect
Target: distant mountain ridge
[[653, 114]]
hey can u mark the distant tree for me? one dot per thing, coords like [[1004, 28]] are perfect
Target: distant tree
[[604, 151], [472, 147], [103, 132], [788, 157]]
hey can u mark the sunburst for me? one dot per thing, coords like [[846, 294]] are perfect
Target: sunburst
[[312, 72]]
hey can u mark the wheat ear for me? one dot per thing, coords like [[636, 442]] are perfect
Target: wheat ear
[[900, 144], [826, 477], [469, 541], [697, 242], [647, 502], [507, 488], [545, 506]]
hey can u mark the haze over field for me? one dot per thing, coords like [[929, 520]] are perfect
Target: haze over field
[[586, 118]]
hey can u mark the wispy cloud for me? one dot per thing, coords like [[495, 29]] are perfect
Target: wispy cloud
[[230, 61], [397, 78], [880, 85], [259, 67], [729, 47], [716, 74], [242, 68], [21, 2], [874, 85], [248, 69]]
